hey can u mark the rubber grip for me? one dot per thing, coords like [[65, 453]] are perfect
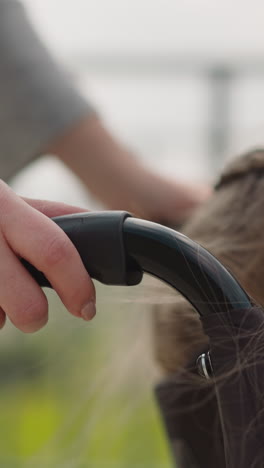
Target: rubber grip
[[98, 237]]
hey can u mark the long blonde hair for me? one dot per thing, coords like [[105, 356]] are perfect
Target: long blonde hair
[[231, 227]]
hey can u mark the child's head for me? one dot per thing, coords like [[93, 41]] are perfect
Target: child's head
[[231, 226]]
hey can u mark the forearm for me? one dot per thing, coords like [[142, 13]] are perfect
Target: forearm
[[107, 168], [119, 179]]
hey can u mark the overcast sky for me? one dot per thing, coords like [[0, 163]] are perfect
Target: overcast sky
[[218, 28]]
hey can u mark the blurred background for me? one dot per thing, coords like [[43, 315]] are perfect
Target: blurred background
[[180, 83]]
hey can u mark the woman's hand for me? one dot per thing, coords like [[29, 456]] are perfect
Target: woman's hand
[[27, 232]]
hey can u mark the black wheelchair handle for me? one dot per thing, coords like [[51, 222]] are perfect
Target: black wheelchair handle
[[117, 249], [99, 239]]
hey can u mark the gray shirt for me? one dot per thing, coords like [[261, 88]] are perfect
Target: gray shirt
[[37, 99]]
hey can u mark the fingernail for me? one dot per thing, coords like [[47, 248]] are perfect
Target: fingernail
[[88, 311]]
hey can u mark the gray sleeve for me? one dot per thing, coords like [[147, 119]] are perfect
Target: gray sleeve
[[37, 100]]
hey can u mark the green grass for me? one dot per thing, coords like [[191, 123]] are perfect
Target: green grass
[[71, 396]]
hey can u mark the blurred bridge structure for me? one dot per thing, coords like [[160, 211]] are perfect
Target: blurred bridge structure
[[220, 79]]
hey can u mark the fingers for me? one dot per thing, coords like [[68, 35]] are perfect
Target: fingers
[[21, 298], [52, 209], [33, 236]]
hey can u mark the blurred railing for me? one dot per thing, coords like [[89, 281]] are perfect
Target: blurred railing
[[220, 77]]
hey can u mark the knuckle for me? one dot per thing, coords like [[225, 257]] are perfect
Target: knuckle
[[33, 315], [57, 250]]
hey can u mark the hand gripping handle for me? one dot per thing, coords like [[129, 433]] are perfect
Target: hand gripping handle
[[98, 237]]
